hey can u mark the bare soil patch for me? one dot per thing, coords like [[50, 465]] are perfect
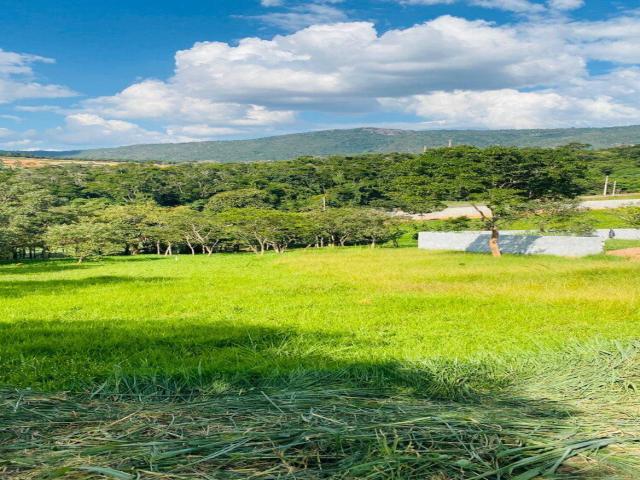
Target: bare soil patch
[[633, 253]]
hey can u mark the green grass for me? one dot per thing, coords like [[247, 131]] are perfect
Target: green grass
[[241, 316], [351, 363], [614, 244]]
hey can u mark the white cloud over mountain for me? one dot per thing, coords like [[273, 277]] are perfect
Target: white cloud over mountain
[[450, 71]]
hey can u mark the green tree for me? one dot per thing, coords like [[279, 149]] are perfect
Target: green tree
[[243, 198], [135, 223], [84, 239], [631, 215]]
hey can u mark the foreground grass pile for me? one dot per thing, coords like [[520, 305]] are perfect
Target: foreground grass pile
[[355, 363]]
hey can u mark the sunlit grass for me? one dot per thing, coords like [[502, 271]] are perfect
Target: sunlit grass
[[337, 363], [241, 317]]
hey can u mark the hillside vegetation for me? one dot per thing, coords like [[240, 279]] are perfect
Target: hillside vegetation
[[354, 141]]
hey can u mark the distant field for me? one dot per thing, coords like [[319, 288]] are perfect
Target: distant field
[[512, 350], [29, 162]]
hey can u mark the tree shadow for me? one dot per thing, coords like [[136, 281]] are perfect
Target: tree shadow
[[23, 288], [513, 244], [183, 358], [27, 267], [11, 267], [179, 394]]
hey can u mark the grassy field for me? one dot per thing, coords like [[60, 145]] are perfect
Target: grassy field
[[384, 363]]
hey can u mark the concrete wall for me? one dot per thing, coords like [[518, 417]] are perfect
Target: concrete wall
[[564, 246], [607, 204], [620, 233]]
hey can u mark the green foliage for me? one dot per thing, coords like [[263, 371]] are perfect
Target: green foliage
[[83, 240], [174, 208], [242, 198], [632, 216]]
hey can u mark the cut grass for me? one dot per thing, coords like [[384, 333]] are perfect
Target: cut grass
[[351, 363]]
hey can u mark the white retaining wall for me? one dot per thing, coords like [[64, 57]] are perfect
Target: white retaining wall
[[564, 246], [620, 233]]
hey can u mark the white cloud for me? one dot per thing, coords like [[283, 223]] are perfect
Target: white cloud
[[219, 89], [519, 6], [153, 99], [509, 108], [448, 71], [426, 2], [16, 79], [41, 108], [566, 4], [13, 118], [89, 129], [300, 16], [616, 39], [271, 3], [345, 62]]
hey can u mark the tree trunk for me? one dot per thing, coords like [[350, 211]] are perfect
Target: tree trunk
[[493, 243], [193, 250], [158, 247]]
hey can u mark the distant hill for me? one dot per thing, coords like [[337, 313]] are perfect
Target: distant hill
[[353, 141]]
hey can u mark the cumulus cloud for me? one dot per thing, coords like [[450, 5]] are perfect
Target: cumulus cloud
[[325, 65], [509, 108], [90, 129], [17, 79], [447, 71], [220, 89], [614, 40]]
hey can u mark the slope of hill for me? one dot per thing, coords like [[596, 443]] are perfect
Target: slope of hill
[[359, 140]]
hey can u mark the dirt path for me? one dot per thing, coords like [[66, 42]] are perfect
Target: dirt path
[[633, 253]]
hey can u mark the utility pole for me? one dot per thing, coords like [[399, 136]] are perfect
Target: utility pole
[[606, 185]]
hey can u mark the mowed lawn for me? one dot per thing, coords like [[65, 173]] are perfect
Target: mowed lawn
[[243, 318]]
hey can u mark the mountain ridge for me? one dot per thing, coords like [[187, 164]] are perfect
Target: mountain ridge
[[349, 142]]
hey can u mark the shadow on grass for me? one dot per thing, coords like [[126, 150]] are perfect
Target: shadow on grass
[[173, 358], [228, 400], [10, 267], [22, 288], [27, 267]]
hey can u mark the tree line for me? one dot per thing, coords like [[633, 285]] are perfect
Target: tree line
[[92, 230], [132, 208]]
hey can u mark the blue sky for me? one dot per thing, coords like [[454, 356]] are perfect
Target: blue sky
[[77, 74]]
